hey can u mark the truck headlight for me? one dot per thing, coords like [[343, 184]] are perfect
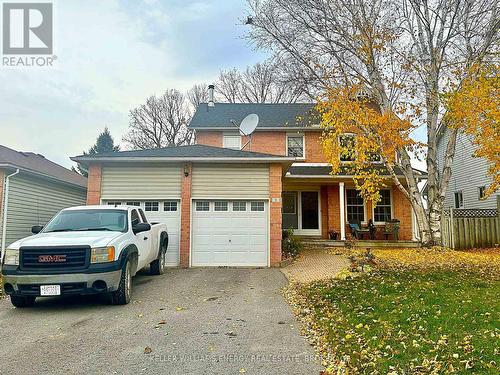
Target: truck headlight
[[102, 254], [11, 257]]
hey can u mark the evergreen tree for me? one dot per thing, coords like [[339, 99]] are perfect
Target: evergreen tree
[[104, 143]]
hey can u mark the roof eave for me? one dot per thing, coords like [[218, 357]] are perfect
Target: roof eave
[[260, 128], [203, 159], [43, 175]]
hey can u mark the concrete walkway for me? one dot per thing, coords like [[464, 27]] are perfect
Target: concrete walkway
[[315, 264]]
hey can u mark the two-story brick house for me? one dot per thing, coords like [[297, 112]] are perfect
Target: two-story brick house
[[227, 198]]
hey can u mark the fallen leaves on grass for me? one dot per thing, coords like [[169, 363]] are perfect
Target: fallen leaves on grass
[[421, 311]]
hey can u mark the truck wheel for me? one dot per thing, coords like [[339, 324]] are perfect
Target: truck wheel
[[122, 295], [21, 301], [157, 266]]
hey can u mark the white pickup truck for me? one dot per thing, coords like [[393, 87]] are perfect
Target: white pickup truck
[[84, 250]]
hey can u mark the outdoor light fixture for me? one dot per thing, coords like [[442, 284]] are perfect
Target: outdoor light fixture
[[186, 170]]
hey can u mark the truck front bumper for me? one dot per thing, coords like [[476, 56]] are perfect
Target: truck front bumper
[[74, 283]]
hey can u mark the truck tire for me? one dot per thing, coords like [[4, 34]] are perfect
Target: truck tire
[[122, 295], [22, 301], [158, 266]]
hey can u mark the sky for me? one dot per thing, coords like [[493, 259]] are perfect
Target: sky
[[112, 55]]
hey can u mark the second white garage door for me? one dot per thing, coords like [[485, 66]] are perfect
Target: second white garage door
[[230, 233]]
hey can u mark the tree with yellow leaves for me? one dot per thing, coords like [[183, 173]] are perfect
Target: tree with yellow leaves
[[382, 69]]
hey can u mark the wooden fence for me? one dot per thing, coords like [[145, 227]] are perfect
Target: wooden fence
[[470, 228]]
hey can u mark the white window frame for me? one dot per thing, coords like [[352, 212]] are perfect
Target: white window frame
[[295, 135], [364, 205], [244, 206], [220, 207], [133, 203], [392, 209], [234, 137], [202, 202], [152, 203], [455, 199], [481, 198], [294, 194], [258, 203], [169, 205], [349, 135]]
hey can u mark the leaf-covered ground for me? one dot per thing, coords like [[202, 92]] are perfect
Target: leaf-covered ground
[[417, 312]]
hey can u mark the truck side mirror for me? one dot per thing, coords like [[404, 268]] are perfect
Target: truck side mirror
[[36, 229], [141, 227]]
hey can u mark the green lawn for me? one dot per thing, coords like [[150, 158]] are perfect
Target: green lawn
[[406, 321]]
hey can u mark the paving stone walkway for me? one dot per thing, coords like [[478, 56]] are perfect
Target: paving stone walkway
[[313, 265]]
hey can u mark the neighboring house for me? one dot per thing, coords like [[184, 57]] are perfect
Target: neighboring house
[[32, 190], [227, 207], [469, 179]]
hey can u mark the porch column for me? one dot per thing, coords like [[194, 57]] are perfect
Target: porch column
[[342, 210]]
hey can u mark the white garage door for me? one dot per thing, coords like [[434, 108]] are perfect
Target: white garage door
[[162, 211], [230, 233]]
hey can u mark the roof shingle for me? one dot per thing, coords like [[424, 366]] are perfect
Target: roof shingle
[[38, 164], [277, 115]]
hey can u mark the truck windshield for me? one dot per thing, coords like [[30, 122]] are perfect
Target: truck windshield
[[88, 220]]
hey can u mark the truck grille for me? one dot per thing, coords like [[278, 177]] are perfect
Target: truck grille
[[54, 258]]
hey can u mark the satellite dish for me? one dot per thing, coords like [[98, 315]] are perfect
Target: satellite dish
[[249, 124]]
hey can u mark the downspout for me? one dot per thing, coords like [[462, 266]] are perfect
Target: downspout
[[5, 208]]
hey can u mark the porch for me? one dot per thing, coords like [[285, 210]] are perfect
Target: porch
[[318, 242], [324, 207]]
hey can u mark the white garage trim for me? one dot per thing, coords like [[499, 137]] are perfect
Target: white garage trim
[[230, 200]]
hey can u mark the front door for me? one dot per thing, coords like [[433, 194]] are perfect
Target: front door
[[310, 210], [301, 212]]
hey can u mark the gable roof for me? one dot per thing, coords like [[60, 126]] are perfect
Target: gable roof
[[186, 153], [37, 164], [271, 116]]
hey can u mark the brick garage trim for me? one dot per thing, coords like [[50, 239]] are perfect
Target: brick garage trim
[[94, 184], [185, 240], [275, 216]]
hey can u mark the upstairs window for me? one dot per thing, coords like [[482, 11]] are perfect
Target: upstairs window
[[295, 146], [459, 199], [347, 143], [382, 212], [232, 141]]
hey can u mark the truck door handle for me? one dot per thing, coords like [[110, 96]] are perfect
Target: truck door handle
[[145, 238]]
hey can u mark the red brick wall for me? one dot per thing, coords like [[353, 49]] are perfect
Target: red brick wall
[[209, 138], [403, 212], [185, 240], [401, 207], [314, 149], [269, 142], [275, 188], [94, 184], [324, 211]]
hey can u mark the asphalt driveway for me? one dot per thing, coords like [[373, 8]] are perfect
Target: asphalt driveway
[[195, 321]]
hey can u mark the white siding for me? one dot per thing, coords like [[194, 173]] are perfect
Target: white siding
[[34, 201], [469, 173], [135, 181], [249, 181]]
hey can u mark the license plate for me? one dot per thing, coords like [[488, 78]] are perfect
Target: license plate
[[50, 290]]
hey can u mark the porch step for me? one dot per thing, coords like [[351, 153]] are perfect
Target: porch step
[[360, 243]]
